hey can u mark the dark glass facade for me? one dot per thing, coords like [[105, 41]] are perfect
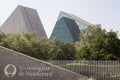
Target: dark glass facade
[[67, 27]]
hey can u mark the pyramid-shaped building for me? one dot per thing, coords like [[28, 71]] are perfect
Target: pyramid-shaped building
[[67, 27], [24, 19]]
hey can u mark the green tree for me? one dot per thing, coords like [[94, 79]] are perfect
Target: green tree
[[43, 48], [106, 46], [62, 50], [95, 43]]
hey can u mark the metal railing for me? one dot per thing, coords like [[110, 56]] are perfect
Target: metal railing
[[97, 69]]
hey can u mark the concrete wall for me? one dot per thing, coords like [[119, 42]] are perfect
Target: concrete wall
[[27, 68], [24, 19]]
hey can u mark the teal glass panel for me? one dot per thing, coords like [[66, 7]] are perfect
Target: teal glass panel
[[80, 24], [65, 32], [62, 32]]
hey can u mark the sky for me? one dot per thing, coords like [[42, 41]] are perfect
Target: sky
[[104, 12]]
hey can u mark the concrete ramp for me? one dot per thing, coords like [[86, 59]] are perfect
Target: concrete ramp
[[17, 66]]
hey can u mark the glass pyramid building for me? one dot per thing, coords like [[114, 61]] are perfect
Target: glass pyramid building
[[67, 27]]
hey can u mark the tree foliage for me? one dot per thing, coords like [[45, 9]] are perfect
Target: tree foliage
[[44, 49], [62, 50], [96, 44]]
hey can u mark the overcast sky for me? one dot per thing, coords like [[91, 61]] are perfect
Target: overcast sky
[[104, 12]]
